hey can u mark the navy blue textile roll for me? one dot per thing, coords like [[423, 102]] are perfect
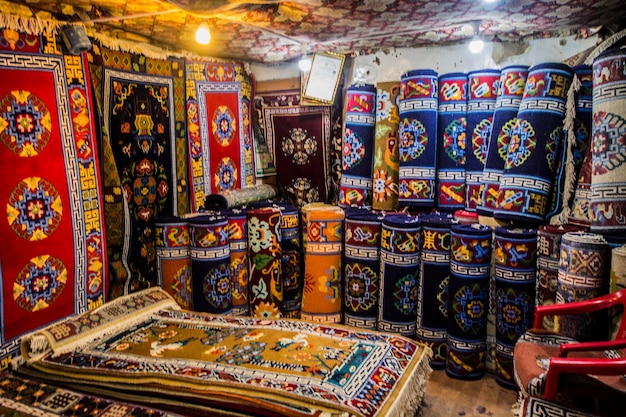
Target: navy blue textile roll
[[210, 264], [468, 300], [451, 141], [400, 248], [417, 151], [531, 162], [515, 253], [432, 307]]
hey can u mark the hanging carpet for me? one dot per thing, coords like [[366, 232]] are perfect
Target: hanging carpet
[[52, 250], [219, 128]]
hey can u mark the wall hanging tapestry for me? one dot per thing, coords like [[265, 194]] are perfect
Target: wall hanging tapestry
[[229, 199], [144, 343], [172, 244], [239, 266], [515, 253], [400, 248], [583, 274], [141, 111], [434, 277], [219, 129], [468, 294], [548, 255], [385, 177], [265, 286], [25, 397], [451, 141], [579, 213], [510, 92], [576, 141], [481, 102], [531, 162], [361, 268], [299, 139], [358, 146], [52, 251], [322, 241], [608, 173], [210, 263], [417, 152]]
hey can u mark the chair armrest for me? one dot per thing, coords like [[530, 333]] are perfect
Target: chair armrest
[[591, 366], [591, 346], [578, 307]]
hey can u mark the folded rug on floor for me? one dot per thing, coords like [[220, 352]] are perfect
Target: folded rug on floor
[[144, 345]]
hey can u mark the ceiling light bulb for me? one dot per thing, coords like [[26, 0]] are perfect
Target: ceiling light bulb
[[476, 45], [304, 64], [203, 35]]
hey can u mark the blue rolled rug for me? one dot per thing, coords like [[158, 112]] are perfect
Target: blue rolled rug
[[451, 141], [468, 300], [434, 277], [361, 298], [515, 255], [512, 83], [481, 102], [210, 263], [531, 162], [400, 248], [358, 147], [418, 138]]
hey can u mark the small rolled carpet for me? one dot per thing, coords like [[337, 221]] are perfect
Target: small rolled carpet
[[434, 277], [515, 252], [468, 300], [583, 274], [291, 262], [323, 269], [361, 298], [385, 177], [145, 346], [548, 255], [481, 103], [238, 198], [299, 139], [210, 263], [400, 247], [527, 180], [265, 286], [451, 141], [172, 243], [510, 92], [239, 265], [358, 146], [583, 124], [608, 174], [417, 150]]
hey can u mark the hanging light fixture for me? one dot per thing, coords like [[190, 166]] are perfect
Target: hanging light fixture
[[476, 45], [203, 34]]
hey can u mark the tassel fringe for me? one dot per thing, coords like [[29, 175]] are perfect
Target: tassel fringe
[[569, 187], [30, 25]]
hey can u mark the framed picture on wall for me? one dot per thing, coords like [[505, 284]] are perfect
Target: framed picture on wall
[[321, 82]]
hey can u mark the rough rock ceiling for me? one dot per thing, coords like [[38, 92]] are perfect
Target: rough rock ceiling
[[271, 31]]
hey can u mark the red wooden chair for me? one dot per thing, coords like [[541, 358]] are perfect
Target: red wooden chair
[[589, 376]]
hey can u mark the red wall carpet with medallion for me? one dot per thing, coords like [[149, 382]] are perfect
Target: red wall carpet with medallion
[[52, 256]]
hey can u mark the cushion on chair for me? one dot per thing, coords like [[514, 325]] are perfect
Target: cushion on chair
[[531, 360]]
